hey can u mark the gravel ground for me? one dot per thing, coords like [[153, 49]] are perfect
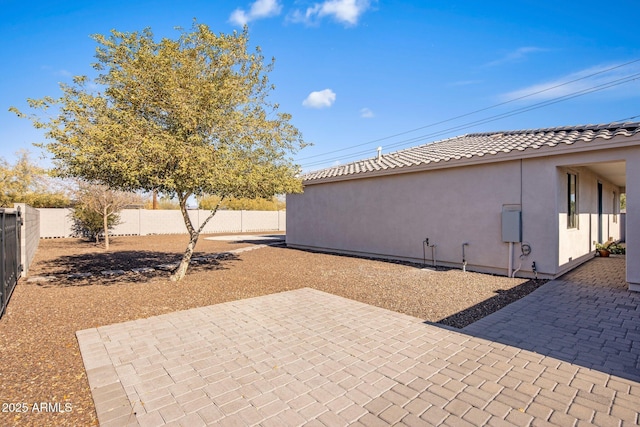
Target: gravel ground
[[40, 360]]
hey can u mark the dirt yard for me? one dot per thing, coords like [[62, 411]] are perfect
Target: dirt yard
[[40, 362]]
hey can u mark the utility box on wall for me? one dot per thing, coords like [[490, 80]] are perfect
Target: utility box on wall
[[511, 224]]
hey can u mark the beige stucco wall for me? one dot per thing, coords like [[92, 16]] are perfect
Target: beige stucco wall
[[390, 216], [632, 236], [574, 243]]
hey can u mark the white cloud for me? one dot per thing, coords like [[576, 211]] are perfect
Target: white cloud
[[366, 113], [583, 80], [517, 55], [259, 9], [239, 17], [320, 99], [345, 11]]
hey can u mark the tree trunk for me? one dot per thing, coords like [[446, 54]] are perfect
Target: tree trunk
[[186, 259], [194, 234], [105, 222], [193, 239]]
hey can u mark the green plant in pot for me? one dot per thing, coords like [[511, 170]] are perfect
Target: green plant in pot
[[603, 248], [610, 247]]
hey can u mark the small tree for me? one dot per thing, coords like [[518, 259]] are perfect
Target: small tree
[[89, 223], [97, 209], [183, 117]]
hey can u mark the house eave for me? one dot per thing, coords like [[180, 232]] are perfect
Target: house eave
[[529, 153]]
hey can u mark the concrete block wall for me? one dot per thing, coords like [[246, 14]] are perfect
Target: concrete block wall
[[55, 223], [29, 234]]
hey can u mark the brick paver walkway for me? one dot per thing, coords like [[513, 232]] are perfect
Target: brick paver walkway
[[587, 317], [309, 358]]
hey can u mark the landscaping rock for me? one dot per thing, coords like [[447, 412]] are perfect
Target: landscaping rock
[[40, 279], [79, 275], [143, 270], [167, 267], [111, 273]]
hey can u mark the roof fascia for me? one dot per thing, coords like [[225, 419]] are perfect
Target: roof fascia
[[544, 151]]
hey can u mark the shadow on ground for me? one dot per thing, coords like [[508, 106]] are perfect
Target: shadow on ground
[[153, 264], [587, 317], [489, 306], [267, 241]]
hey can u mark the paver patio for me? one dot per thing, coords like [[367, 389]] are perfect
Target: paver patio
[[306, 357], [587, 317]]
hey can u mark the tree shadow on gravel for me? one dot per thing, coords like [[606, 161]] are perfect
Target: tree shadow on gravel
[[118, 267], [503, 298], [266, 241]]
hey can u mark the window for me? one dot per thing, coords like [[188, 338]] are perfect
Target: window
[[572, 200]]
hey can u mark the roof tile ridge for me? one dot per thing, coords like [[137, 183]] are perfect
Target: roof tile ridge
[[426, 144]]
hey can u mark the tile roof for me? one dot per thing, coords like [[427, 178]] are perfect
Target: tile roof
[[477, 145]]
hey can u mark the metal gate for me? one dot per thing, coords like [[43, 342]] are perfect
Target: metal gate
[[11, 266]]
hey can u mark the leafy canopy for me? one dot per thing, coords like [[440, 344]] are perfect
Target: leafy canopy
[[182, 117], [259, 204], [26, 182], [186, 117]]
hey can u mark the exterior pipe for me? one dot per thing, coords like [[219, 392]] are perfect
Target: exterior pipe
[[426, 244], [526, 250], [513, 275], [510, 258], [464, 258], [433, 255]]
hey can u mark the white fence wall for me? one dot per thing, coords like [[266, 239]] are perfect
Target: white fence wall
[[140, 222], [55, 222], [29, 234], [30, 237]]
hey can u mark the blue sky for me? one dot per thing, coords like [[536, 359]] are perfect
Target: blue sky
[[358, 74]]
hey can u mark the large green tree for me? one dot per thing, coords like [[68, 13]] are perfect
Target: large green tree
[[183, 117]]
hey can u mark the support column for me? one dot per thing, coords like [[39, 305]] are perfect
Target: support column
[[633, 220]]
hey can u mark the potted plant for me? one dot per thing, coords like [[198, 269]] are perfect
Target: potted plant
[[617, 249], [609, 247], [602, 249]]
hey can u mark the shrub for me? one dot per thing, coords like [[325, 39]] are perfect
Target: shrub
[[89, 224]]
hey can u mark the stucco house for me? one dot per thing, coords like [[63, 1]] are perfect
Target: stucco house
[[520, 203]]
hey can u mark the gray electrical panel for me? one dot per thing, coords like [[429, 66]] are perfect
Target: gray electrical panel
[[511, 224]]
